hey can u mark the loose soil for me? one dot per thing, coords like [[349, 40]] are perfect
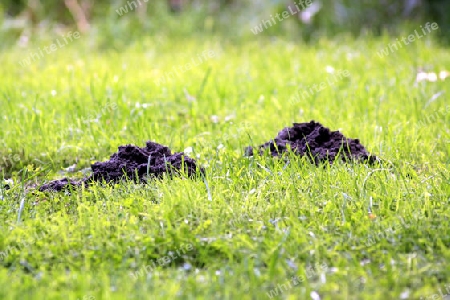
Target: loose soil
[[317, 142], [312, 140], [135, 163]]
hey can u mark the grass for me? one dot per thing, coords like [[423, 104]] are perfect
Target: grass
[[260, 227]]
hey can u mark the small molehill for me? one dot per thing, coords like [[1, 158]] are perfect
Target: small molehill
[[135, 163], [317, 142]]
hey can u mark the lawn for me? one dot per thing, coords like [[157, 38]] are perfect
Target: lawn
[[259, 229]]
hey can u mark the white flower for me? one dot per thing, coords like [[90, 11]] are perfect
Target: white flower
[[314, 295], [8, 181], [214, 119]]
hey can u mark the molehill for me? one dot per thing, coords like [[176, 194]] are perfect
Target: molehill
[[311, 139], [135, 163], [317, 142]]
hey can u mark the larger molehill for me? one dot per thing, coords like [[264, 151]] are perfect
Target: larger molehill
[[317, 142], [135, 163]]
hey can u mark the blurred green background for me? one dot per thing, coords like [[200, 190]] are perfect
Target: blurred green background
[[25, 20]]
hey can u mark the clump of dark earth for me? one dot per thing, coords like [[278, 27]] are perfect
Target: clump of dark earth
[[316, 142], [133, 163], [59, 185]]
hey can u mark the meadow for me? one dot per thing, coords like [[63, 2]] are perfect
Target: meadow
[[258, 228]]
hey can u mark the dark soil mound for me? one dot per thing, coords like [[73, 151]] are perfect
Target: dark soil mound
[[316, 142], [59, 185], [133, 163]]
